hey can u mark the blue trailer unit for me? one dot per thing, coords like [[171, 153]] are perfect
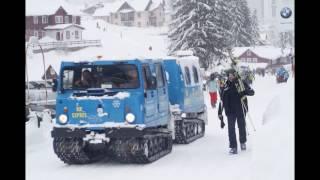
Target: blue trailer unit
[[188, 109], [188, 96], [122, 112]]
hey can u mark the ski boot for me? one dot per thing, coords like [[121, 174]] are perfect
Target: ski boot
[[233, 151], [243, 147]]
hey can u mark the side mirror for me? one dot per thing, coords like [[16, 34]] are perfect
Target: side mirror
[[54, 85]]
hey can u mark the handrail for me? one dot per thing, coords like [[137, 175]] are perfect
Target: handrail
[[67, 43]]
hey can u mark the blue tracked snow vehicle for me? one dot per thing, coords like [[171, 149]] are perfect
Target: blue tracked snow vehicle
[[122, 109]]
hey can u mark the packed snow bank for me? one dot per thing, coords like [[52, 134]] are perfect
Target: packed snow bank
[[273, 155], [35, 135]]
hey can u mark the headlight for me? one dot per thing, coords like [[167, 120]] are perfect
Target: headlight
[[130, 117], [63, 119]]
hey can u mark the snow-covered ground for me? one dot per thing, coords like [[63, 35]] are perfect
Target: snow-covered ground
[[270, 153]]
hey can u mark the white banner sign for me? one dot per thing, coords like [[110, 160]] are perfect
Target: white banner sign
[[285, 15]]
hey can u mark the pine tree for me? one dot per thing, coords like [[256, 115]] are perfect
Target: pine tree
[[255, 32], [198, 25], [241, 27], [286, 39]]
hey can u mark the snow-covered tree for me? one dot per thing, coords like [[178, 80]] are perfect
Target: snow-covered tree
[[198, 25], [286, 39], [241, 23], [255, 32], [210, 27]]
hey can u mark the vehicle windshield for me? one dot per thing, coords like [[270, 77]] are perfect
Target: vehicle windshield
[[115, 76]]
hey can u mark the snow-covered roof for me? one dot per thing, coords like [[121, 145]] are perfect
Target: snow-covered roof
[[62, 26], [126, 10], [41, 7], [184, 53], [137, 5], [268, 52], [155, 4], [254, 65], [108, 8]]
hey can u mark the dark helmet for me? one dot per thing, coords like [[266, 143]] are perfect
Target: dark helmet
[[231, 71], [212, 76]]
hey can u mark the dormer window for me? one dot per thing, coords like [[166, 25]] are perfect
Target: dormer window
[[58, 19], [66, 19], [44, 19], [74, 20]]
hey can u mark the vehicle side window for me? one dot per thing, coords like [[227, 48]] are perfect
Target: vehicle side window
[[195, 74], [187, 75], [147, 77], [160, 77]]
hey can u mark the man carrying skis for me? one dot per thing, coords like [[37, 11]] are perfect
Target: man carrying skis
[[235, 104]]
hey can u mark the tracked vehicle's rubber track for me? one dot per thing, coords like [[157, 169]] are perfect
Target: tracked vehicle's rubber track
[[187, 131], [145, 149], [74, 151]]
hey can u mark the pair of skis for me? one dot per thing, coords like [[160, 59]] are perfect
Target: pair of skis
[[241, 88]]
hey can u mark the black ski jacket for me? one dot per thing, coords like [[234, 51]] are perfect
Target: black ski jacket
[[231, 99]]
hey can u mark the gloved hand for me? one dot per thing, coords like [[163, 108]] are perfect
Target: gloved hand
[[243, 93], [221, 119], [222, 124]]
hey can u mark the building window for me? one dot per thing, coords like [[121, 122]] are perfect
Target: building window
[[248, 53], [76, 34], [255, 60], [66, 19], [249, 60], [44, 19], [139, 14], [74, 19], [35, 33], [35, 19], [127, 16], [68, 34], [59, 19]]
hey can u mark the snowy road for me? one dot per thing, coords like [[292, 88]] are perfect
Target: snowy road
[[206, 158]]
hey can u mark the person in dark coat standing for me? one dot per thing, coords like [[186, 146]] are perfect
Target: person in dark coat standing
[[232, 98]]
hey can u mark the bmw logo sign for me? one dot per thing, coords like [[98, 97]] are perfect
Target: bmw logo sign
[[286, 13]]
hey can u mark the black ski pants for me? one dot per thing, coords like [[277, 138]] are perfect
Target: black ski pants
[[232, 132]]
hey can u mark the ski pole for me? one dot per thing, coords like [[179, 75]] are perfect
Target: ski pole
[[248, 115]]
